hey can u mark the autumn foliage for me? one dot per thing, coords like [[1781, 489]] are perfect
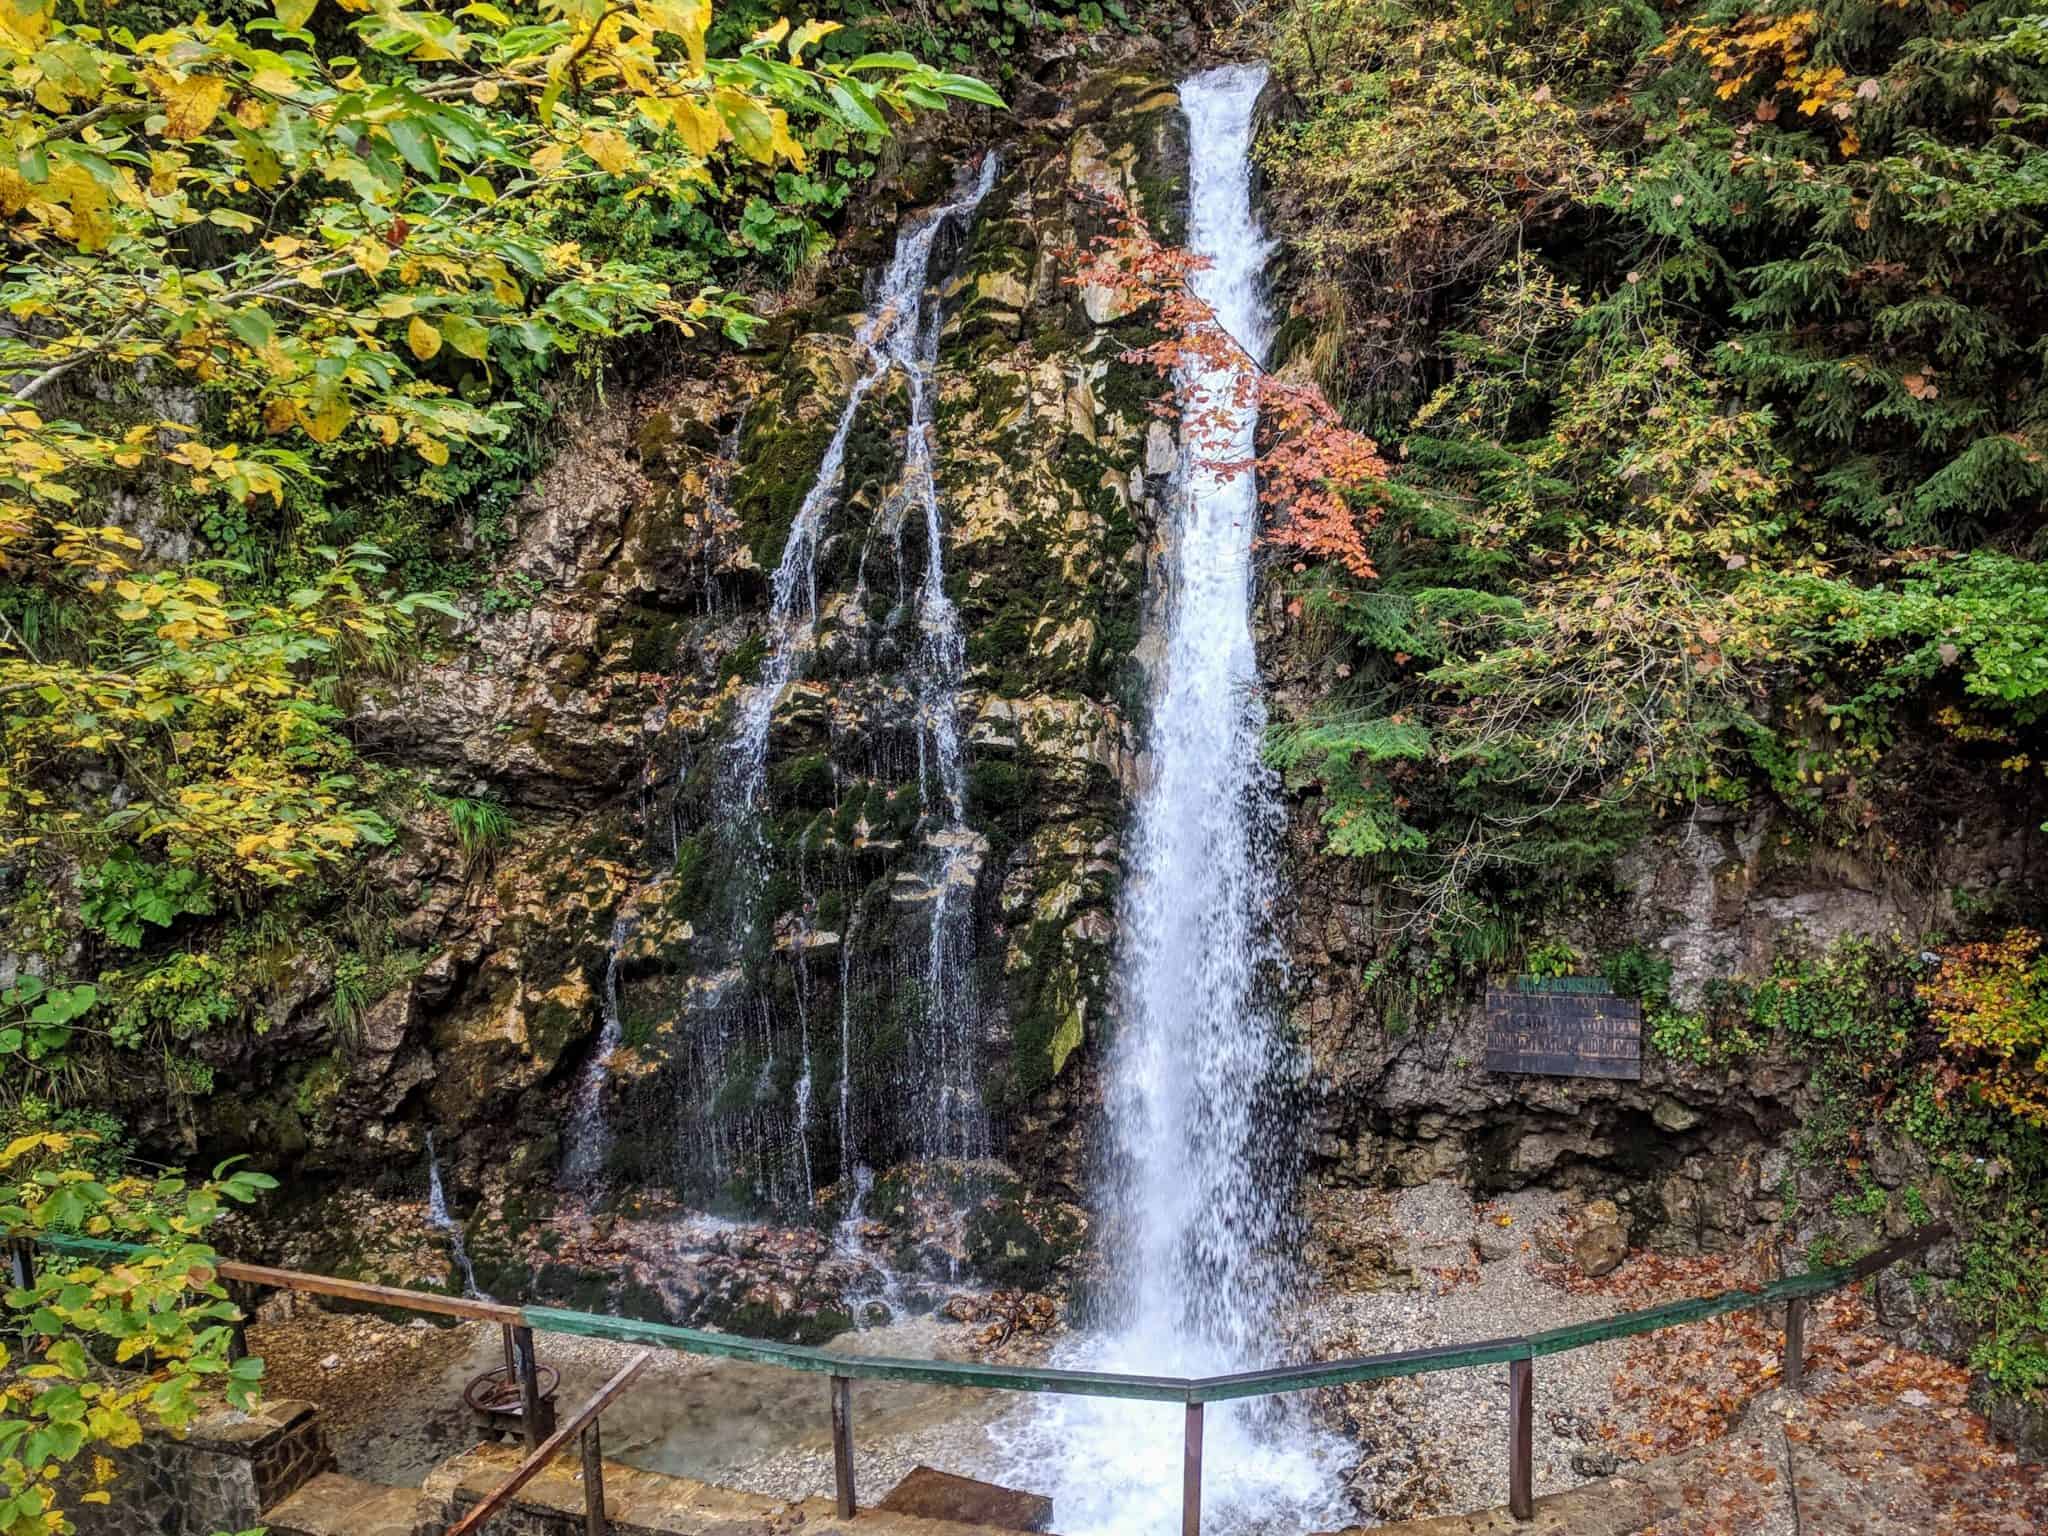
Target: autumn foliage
[[1315, 474], [1992, 1001]]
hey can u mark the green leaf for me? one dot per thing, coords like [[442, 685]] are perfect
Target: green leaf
[[967, 88], [855, 110], [882, 61], [415, 143], [465, 335]]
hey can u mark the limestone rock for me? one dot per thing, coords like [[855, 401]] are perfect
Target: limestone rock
[[1601, 1240]]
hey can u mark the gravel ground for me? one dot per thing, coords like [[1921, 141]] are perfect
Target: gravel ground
[[391, 1394], [1461, 1276], [1423, 1267]]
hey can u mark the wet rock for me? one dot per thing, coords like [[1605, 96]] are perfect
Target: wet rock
[[1671, 1115], [1600, 1242]]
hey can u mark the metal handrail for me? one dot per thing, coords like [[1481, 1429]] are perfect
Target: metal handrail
[[1518, 1353]]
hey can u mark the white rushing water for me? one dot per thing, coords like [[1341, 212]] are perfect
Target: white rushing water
[[438, 1214], [590, 1133], [950, 1118], [1202, 1166], [890, 339], [899, 337]]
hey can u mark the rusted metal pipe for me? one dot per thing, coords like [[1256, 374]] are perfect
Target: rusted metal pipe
[[1521, 1438], [1794, 1373], [593, 1482], [842, 1444]]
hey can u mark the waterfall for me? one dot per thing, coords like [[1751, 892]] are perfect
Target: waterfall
[[1203, 1158], [950, 1120], [741, 1028], [846, 1052], [437, 1213], [590, 1135], [890, 339]]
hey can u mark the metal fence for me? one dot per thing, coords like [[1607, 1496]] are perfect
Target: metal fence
[[1519, 1354]]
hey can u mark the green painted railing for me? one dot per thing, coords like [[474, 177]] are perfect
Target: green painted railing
[[1519, 1354]]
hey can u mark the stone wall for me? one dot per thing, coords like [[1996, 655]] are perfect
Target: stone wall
[[220, 1475]]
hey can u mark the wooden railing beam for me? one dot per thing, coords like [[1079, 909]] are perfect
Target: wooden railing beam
[[372, 1295], [1191, 1474]]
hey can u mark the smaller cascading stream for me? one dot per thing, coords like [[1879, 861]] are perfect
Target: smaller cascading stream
[[951, 1122], [439, 1215], [889, 340], [848, 1161], [590, 1132], [804, 1083], [901, 336]]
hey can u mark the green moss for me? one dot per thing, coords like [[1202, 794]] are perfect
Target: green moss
[[1015, 1241], [781, 447], [806, 781], [745, 660]]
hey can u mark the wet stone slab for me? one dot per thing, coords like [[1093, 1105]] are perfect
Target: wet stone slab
[[944, 1496], [641, 1503]]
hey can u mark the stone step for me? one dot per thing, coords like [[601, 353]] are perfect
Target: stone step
[[333, 1505]]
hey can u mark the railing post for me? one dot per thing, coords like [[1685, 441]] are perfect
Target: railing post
[[593, 1482], [842, 1444], [238, 1331], [1521, 1448], [529, 1387], [1191, 1475], [22, 1261], [1794, 1372]]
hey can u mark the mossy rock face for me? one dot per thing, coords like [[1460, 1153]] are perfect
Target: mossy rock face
[[1015, 1241], [783, 442]]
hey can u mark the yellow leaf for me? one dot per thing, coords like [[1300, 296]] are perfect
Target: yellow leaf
[[701, 128], [774, 34], [548, 158], [424, 340], [371, 256], [687, 19], [781, 142], [294, 13], [610, 151], [24, 24], [432, 449], [752, 128], [324, 422], [485, 91], [807, 34], [191, 104]]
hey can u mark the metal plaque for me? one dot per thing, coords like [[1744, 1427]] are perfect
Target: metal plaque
[[1560, 1026]]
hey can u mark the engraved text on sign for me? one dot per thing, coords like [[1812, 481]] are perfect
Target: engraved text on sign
[[1563, 1033]]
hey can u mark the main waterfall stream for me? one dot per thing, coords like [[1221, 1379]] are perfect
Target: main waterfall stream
[[1203, 1157]]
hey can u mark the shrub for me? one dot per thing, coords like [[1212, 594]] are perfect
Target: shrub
[[1991, 999]]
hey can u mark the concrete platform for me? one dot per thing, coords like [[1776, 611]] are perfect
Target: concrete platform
[[639, 1503], [333, 1505]]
